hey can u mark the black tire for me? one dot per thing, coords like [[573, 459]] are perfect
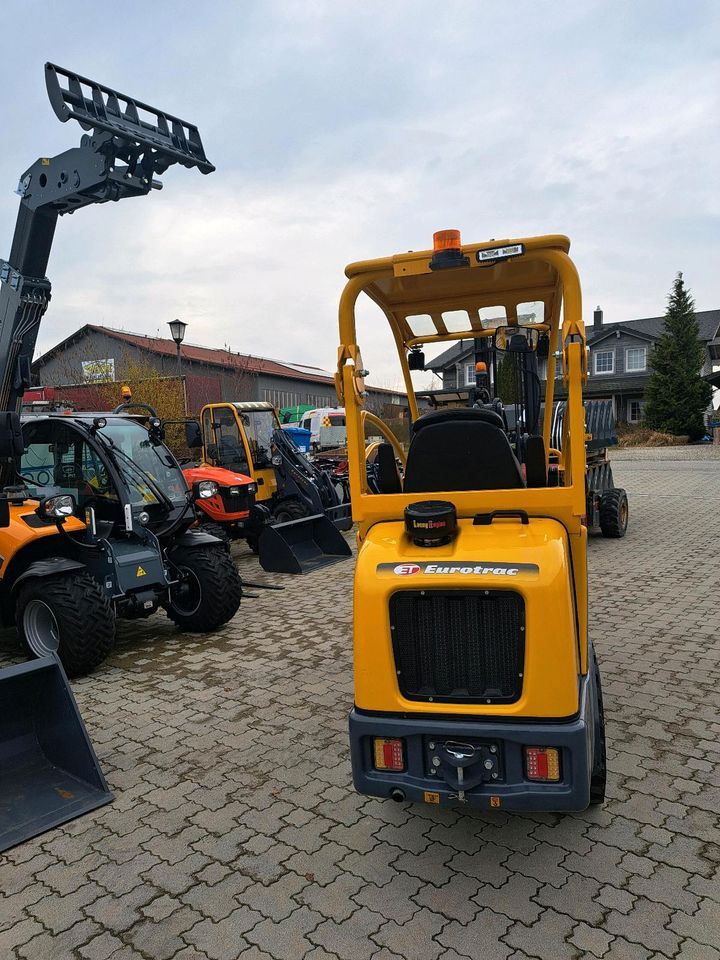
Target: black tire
[[69, 613], [290, 509], [216, 530], [614, 513], [210, 590], [598, 777]]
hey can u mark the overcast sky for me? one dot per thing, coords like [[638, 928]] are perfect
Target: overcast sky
[[343, 130]]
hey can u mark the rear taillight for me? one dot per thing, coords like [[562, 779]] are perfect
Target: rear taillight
[[388, 754], [542, 763]]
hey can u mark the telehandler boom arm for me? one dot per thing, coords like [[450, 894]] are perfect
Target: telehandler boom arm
[[129, 145]]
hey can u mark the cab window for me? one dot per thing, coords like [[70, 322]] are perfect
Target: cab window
[[259, 427], [229, 448], [57, 458]]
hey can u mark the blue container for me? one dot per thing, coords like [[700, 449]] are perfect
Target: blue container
[[300, 437]]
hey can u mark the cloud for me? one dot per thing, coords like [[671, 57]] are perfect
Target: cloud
[[346, 131]]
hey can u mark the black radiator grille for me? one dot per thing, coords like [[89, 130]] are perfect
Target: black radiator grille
[[235, 502], [459, 645]]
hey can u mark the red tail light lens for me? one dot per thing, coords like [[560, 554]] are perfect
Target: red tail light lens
[[542, 763], [388, 754]]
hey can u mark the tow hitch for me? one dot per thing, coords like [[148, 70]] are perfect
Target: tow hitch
[[464, 764]]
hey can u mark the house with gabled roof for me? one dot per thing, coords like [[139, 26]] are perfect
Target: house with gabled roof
[[618, 368]]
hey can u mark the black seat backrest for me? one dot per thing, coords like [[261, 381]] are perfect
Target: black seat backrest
[[461, 449], [387, 472]]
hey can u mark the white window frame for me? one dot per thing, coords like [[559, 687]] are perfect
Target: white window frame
[[603, 373], [641, 369], [629, 410], [469, 369]]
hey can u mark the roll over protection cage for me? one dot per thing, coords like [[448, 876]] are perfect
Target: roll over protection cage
[[405, 285]]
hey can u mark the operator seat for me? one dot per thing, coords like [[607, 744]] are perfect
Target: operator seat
[[461, 449]]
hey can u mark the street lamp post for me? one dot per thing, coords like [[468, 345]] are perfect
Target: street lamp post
[[177, 330]]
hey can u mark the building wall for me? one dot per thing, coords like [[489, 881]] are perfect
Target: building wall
[[207, 383], [284, 392], [618, 345]]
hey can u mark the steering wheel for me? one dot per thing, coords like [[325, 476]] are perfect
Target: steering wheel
[[367, 417]]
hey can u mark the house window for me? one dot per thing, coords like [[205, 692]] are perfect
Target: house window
[[635, 359], [635, 411], [469, 374], [604, 361]]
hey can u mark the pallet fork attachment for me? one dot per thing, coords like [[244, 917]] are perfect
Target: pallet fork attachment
[[98, 107], [49, 773]]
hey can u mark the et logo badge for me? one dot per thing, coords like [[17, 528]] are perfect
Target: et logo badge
[[406, 569]]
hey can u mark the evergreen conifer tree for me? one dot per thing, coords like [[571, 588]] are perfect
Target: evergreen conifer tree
[[676, 396], [506, 386]]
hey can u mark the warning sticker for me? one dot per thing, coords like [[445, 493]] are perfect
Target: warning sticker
[[431, 797], [140, 572], [494, 801]]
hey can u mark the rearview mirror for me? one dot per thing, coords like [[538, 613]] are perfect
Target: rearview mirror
[[11, 441], [59, 507], [193, 435], [416, 359], [516, 339]]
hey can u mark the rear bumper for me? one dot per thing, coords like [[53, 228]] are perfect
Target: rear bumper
[[511, 790]]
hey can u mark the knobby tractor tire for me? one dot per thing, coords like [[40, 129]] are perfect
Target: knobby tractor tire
[[598, 777], [70, 614], [614, 513], [217, 530], [290, 509], [210, 590]]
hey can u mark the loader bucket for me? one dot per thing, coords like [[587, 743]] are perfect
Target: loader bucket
[[49, 773], [301, 546]]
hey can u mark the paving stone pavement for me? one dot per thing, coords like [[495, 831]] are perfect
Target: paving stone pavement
[[235, 832]]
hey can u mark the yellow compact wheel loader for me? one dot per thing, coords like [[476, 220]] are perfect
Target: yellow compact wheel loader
[[475, 681], [295, 525]]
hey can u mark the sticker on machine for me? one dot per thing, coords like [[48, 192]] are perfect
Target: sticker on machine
[[459, 568]]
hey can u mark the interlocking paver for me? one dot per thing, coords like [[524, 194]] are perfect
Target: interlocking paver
[[393, 902], [480, 937], [578, 898], [414, 939], [591, 941], [548, 936], [288, 939], [647, 924], [453, 900], [227, 938], [513, 899], [235, 832]]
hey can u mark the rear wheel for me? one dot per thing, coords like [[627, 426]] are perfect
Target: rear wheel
[[614, 513], [68, 615], [598, 777], [208, 591], [288, 510]]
